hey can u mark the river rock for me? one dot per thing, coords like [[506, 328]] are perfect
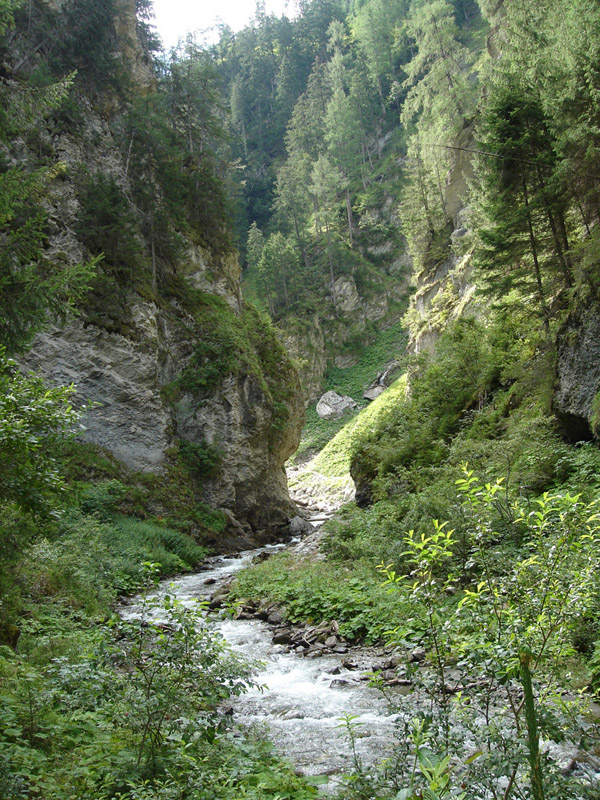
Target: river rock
[[300, 526], [283, 637], [332, 405], [417, 655], [219, 597], [276, 617]]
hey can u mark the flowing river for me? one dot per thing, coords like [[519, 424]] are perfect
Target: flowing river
[[302, 701]]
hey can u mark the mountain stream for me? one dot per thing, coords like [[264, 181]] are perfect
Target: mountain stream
[[301, 701]]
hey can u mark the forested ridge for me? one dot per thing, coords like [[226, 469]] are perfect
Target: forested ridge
[[413, 189]]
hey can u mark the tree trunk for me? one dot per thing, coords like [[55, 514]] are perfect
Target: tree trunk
[[331, 273], [153, 252], [536, 265], [317, 220], [557, 243], [299, 239], [350, 219]]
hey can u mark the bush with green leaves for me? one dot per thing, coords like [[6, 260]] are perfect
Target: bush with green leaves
[[129, 710], [202, 459], [500, 647], [34, 421], [314, 593]]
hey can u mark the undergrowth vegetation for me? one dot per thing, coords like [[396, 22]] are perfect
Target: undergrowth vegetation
[[127, 709], [95, 706], [477, 545], [386, 349]]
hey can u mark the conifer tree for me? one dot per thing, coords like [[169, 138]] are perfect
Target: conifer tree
[[34, 287]]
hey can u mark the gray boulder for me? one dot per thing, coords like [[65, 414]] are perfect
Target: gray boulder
[[332, 405]]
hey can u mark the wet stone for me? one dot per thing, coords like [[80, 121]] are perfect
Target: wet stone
[[283, 637], [417, 655], [276, 617]]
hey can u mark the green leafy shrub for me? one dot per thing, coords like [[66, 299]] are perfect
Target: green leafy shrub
[[321, 592], [203, 460], [34, 422], [102, 498], [513, 621]]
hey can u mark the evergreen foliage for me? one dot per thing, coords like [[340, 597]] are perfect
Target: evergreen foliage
[[33, 284], [338, 132]]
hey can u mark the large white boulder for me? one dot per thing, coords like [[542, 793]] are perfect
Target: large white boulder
[[332, 405]]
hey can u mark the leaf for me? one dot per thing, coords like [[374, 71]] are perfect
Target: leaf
[[473, 757], [317, 780]]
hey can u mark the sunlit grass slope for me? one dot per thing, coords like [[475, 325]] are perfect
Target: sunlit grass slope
[[329, 471]]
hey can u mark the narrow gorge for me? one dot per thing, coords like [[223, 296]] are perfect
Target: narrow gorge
[[300, 401]]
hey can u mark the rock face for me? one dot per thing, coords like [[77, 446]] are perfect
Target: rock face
[[383, 380], [238, 420], [346, 295], [122, 378], [322, 339], [576, 400], [129, 364], [305, 342], [125, 377], [332, 405], [445, 287]]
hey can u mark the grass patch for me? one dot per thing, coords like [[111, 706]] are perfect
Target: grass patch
[[330, 469], [389, 344], [316, 592], [334, 459]]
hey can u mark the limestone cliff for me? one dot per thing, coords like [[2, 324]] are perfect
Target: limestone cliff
[[173, 363], [576, 399], [444, 287]]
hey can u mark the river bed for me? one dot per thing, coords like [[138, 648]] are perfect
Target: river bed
[[301, 702]]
